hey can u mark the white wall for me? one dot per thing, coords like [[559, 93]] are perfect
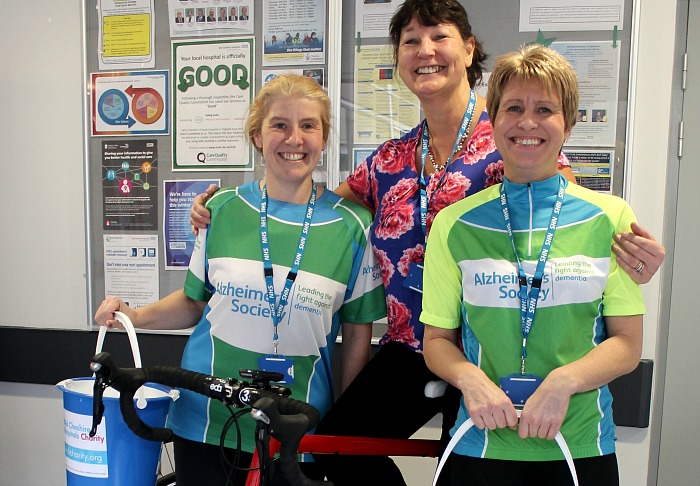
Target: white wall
[[32, 450], [42, 218], [651, 119], [43, 249], [41, 151]]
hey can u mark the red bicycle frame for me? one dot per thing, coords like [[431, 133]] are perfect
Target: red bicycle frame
[[349, 445]]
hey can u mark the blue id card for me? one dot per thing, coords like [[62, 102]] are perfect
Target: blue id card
[[519, 387], [279, 364], [414, 279]]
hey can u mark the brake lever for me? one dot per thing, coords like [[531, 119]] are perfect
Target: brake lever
[[98, 408], [101, 365]]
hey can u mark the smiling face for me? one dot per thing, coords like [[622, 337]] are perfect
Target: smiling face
[[291, 140], [529, 131], [433, 59]]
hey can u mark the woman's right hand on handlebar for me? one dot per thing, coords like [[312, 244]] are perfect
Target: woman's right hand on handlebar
[[105, 313], [200, 215]]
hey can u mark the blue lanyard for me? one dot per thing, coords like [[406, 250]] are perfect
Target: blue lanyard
[[529, 298], [278, 310], [425, 140]]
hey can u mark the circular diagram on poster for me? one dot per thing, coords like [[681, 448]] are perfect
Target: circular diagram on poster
[[113, 106], [147, 106]]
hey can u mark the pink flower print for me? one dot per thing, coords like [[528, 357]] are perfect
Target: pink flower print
[[454, 188], [480, 144], [359, 181], [394, 221], [385, 265], [399, 318], [375, 192], [394, 156], [410, 255], [400, 192], [494, 173]]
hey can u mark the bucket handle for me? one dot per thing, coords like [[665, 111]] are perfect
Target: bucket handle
[[131, 332]]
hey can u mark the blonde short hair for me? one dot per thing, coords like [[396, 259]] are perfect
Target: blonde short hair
[[287, 86], [535, 62]]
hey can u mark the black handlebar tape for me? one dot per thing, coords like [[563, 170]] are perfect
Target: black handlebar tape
[[127, 388], [134, 422], [168, 376], [289, 420], [290, 406], [131, 379], [189, 380]]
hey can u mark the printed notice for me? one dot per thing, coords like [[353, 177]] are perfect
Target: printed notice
[[189, 18], [179, 239], [593, 169], [384, 107], [131, 268], [568, 15], [129, 188], [597, 66], [294, 32], [212, 90], [127, 34], [130, 103], [372, 17]]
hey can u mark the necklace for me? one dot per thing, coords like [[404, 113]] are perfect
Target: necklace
[[462, 135], [438, 167]]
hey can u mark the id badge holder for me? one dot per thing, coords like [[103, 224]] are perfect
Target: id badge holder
[[280, 364], [414, 279], [519, 387]]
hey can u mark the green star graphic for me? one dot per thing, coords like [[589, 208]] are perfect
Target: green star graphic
[[542, 40]]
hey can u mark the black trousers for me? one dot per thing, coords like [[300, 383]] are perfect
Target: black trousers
[[197, 464], [385, 400], [591, 471]]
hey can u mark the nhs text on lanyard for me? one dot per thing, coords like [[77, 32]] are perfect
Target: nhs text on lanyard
[[520, 386], [276, 362], [414, 279]]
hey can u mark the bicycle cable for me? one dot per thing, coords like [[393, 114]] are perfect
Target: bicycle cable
[[231, 467]]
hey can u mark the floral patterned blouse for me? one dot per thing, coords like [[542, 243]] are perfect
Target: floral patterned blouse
[[387, 181]]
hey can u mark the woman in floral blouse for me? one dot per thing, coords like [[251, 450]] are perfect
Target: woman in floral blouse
[[438, 59]]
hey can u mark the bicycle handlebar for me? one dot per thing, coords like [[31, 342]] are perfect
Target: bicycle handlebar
[[289, 419]]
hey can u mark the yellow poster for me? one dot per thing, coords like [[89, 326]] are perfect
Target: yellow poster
[[126, 34]]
